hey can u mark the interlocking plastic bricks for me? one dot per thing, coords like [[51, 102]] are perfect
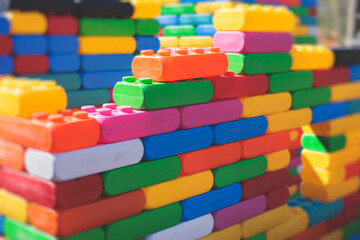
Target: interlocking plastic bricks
[[195, 41], [108, 62], [105, 9], [145, 10], [147, 43], [195, 19], [106, 27], [329, 112], [345, 91], [4, 26], [13, 206], [277, 160], [291, 81], [166, 20], [178, 9], [106, 45], [354, 106], [97, 97], [164, 66], [6, 65], [339, 221], [310, 97], [288, 120], [30, 45], [323, 144], [277, 197], [147, 27], [231, 233], [12, 155], [205, 30], [59, 63], [69, 81], [59, 7], [211, 7], [311, 57], [31, 22], [22, 98], [346, 56], [311, 233], [6, 45], [179, 30], [62, 25], [62, 44], [330, 77], [166, 42]]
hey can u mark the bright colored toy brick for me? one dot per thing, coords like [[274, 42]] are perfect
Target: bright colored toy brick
[[277, 160], [352, 200], [277, 197], [330, 77], [329, 112], [6, 45], [196, 41], [146, 10], [147, 27], [306, 20], [62, 25], [108, 62], [345, 91], [31, 22], [345, 56], [211, 7], [106, 45], [195, 19], [311, 233], [4, 26], [351, 229], [13, 206], [305, 40], [69, 81], [230, 233], [168, 42], [147, 43], [311, 57], [354, 72], [295, 139], [166, 20], [300, 11], [6, 65], [354, 237], [178, 9], [106, 27], [310, 97], [205, 30], [30, 45], [352, 169], [323, 177], [59, 63], [97, 97], [62, 7], [105, 79], [336, 234], [354, 106], [288, 120], [36, 64], [12, 155], [62, 44], [291, 81], [323, 144], [344, 218]]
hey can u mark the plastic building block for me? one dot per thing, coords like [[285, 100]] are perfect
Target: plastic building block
[[62, 25], [195, 19], [291, 81], [145, 10], [37, 64], [229, 85], [300, 10], [346, 56], [336, 234], [12, 155], [300, 31], [164, 66], [4, 26], [323, 144], [354, 71], [97, 97], [142, 175], [66, 222], [6, 45], [305, 40], [13, 206], [69, 81], [209, 158], [31, 22], [352, 200], [311, 57], [259, 63], [330, 77], [105, 9], [311, 233], [106, 45], [59, 63], [277, 197], [252, 42], [344, 218], [166, 42], [106, 27], [147, 43], [329, 112], [205, 30], [178, 9], [147, 27], [310, 97], [6, 65], [196, 41], [105, 79], [354, 237], [230, 233], [351, 229], [288, 120], [108, 62], [193, 229], [211, 7], [150, 221], [277, 160], [30, 45], [307, 20], [352, 169], [63, 195], [295, 140], [179, 30], [162, 194], [323, 177], [60, 7], [167, 20], [62, 44], [354, 106], [345, 91]]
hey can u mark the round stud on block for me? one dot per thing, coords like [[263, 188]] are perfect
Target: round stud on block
[[111, 106], [56, 118], [181, 51], [147, 52], [126, 109], [129, 79], [198, 50], [145, 80], [104, 111], [80, 115]]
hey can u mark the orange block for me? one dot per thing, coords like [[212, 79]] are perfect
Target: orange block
[[12, 155], [295, 138]]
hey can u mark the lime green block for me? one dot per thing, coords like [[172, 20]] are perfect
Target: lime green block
[[305, 40], [179, 31], [240, 171], [145, 223], [290, 81], [259, 63], [260, 236], [300, 11], [310, 97], [177, 9], [147, 27], [323, 144], [141, 175], [106, 27], [351, 229], [293, 171], [294, 195]]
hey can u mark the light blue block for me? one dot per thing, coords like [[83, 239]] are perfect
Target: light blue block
[[195, 19], [205, 30], [166, 20]]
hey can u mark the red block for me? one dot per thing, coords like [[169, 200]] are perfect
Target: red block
[[293, 153], [290, 2], [295, 138], [352, 169], [6, 45], [295, 180], [344, 218], [352, 200], [62, 25], [277, 197], [312, 12], [36, 64], [312, 233], [330, 77]]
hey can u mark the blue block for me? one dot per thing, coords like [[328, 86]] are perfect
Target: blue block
[[195, 19], [354, 106], [211, 201], [147, 43], [2, 219], [308, 20], [181, 141], [30, 45], [240, 129], [92, 80], [166, 20], [317, 211], [354, 72], [60, 63], [308, 3], [6, 65], [329, 111], [4, 26], [205, 30], [354, 237], [63, 44], [109, 62], [69, 81], [299, 151], [96, 97]]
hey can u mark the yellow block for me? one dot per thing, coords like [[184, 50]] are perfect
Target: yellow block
[[166, 2], [146, 9], [293, 189], [13, 206], [27, 22], [322, 177], [231, 233], [311, 57], [345, 91], [264, 221], [298, 221], [255, 18], [334, 235], [277, 160], [300, 31], [22, 98], [352, 139], [265, 104], [211, 7], [334, 127], [329, 193], [294, 135], [169, 42], [196, 41], [288, 120], [162, 194], [106, 45]]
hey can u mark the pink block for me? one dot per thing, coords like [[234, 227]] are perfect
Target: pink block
[[253, 42], [210, 113], [120, 123], [294, 162]]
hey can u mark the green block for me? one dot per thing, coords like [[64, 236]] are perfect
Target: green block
[[141, 175], [305, 40], [351, 229], [145, 223], [323, 144], [293, 171], [145, 94], [69, 81], [358, 209], [147, 27], [310, 97], [177, 9], [260, 236], [106, 27], [294, 195], [290, 81], [259, 63], [300, 11], [179, 31], [238, 172]]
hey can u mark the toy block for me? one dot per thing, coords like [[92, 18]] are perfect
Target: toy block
[[69, 81], [167, 20], [311, 57], [150, 221], [212, 201], [354, 106], [24, 23], [295, 180], [205, 30], [6, 45], [299, 10], [230, 233], [104, 79], [166, 42], [229, 85], [13, 206], [293, 171], [147, 43], [295, 139], [195, 19], [66, 222], [253, 42], [322, 177], [346, 56], [264, 221], [308, 20], [143, 174], [260, 236], [336, 234], [106, 45], [345, 91], [239, 130], [305, 40], [145, 10], [311, 233], [6, 65], [12, 155], [354, 237], [277, 160], [37, 64], [106, 27], [209, 158], [323, 144], [59, 7], [310, 97], [300, 31], [62, 195], [266, 183], [62, 25], [352, 200], [329, 112], [329, 193], [193, 229], [59, 63], [108, 62], [4, 26], [259, 63], [293, 190], [344, 218], [330, 77], [56, 167], [289, 2], [62, 44], [164, 66], [277, 197], [211, 7], [288, 120], [30, 45], [195, 41], [147, 27], [290, 81], [165, 193], [105, 9], [178, 9], [351, 229], [354, 71], [96, 97], [352, 169]]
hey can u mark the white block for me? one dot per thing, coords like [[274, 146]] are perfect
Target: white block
[[74, 164]]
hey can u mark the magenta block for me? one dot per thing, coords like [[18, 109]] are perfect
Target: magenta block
[[210, 113], [253, 42], [294, 162]]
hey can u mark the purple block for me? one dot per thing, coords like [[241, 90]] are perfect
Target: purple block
[[294, 162]]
